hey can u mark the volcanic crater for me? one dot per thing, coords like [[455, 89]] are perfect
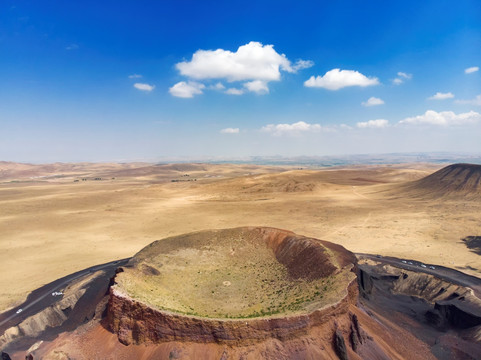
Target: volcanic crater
[[239, 284]]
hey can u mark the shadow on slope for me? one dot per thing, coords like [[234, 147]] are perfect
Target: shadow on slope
[[459, 181], [473, 243]]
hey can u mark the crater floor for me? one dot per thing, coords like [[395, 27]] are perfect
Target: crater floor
[[233, 273]]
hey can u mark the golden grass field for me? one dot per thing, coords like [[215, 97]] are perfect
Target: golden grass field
[[51, 226]]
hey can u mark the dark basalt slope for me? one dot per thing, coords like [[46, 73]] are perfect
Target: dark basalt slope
[[454, 180]]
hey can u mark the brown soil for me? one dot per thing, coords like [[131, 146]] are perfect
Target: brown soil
[[52, 226]]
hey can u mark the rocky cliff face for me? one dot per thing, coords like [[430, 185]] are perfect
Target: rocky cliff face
[[430, 306], [448, 304], [52, 316], [305, 259], [341, 330], [137, 323]]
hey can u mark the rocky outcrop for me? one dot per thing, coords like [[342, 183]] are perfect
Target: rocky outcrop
[[459, 314], [137, 323], [340, 345], [50, 317], [357, 335], [442, 304]]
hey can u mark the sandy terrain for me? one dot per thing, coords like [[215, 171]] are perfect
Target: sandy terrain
[[52, 225]]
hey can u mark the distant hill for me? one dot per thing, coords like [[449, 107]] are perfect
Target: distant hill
[[457, 180]]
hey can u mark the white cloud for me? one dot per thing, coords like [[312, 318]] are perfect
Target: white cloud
[[441, 96], [295, 128], [372, 101], [302, 64], [186, 89], [218, 86], [135, 76], [374, 124], [254, 63], [234, 91], [257, 86], [404, 75], [230, 131], [144, 87], [401, 76], [443, 118], [471, 69], [476, 101], [336, 79]]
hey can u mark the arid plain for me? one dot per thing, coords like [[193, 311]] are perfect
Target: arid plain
[[60, 218]]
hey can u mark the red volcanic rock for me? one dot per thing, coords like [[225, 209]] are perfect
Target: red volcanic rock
[[315, 262], [135, 322], [340, 345]]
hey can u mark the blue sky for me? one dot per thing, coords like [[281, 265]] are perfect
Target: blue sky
[[143, 80]]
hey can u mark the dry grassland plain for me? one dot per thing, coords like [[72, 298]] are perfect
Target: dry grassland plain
[[52, 225]]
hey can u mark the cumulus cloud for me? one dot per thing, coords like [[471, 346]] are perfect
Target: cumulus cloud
[[441, 96], [135, 76], [476, 101], [295, 128], [336, 79], [373, 124], [230, 131], [372, 101], [186, 89], [401, 76], [471, 69], [254, 63], [443, 118], [257, 86], [144, 87], [234, 91]]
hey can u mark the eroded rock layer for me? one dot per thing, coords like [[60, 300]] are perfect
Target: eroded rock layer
[[306, 260]]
